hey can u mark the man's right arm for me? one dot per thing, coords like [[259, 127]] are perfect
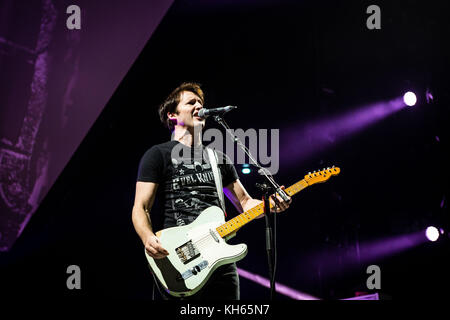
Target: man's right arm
[[143, 202]]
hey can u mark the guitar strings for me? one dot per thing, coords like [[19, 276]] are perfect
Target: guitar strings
[[202, 240]]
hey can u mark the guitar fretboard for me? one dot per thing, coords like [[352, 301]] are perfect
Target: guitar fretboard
[[231, 226]]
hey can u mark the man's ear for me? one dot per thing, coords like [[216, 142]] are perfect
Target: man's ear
[[172, 117]]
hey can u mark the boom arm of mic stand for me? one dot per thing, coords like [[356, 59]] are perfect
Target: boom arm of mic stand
[[261, 170]]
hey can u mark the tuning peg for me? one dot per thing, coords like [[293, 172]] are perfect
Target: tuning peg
[[309, 173]]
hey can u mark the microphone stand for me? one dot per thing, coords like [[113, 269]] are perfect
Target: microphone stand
[[268, 187]]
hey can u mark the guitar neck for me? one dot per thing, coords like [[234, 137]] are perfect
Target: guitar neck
[[231, 226]]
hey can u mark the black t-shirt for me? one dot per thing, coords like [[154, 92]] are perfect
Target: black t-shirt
[[185, 179]]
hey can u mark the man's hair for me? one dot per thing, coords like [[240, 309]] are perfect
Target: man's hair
[[172, 101]]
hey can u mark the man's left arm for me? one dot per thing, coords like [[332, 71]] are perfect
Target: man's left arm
[[242, 201]]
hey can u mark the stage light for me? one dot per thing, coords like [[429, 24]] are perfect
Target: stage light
[[410, 98], [432, 233], [246, 168]]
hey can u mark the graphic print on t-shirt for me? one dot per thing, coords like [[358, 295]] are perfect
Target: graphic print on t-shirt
[[194, 186], [187, 185]]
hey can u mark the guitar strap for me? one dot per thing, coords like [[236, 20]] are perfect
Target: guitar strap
[[217, 176]]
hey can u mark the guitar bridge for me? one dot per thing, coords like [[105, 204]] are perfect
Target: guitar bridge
[[187, 252]]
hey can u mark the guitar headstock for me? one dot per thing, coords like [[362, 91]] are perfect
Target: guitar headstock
[[322, 175]]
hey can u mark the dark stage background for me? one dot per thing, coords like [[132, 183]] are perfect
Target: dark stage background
[[284, 64]]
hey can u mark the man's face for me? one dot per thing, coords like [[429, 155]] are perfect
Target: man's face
[[188, 108]]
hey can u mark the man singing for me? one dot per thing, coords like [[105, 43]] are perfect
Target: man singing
[[187, 186]]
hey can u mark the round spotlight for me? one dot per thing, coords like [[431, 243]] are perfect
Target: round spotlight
[[432, 233], [246, 170], [410, 98]]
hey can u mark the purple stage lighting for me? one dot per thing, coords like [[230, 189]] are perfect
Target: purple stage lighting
[[410, 98], [432, 233], [307, 140], [363, 253], [280, 288]]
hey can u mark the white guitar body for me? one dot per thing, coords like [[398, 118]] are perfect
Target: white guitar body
[[199, 248], [195, 251]]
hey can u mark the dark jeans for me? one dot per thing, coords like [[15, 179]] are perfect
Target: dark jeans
[[222, 285]]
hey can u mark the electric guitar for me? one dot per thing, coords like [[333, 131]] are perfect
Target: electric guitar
[[199, 248]]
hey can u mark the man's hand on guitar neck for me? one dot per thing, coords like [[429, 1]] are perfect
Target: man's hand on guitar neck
[[154, 248], [278, 204]]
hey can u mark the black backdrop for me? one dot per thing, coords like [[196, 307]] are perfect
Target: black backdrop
[[273, 60]]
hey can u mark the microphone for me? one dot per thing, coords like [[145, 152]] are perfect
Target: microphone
[[204, 113]]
